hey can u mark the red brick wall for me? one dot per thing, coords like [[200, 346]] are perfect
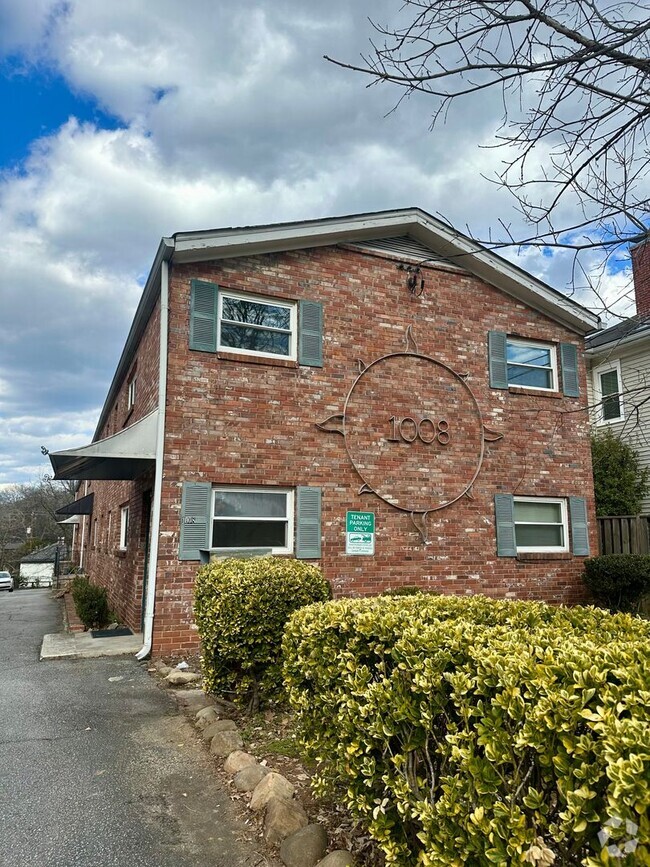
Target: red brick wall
[[121, 572], [641, 274], [233, 421]]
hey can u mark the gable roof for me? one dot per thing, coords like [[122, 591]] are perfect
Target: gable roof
[[411, 225], [46, 555]]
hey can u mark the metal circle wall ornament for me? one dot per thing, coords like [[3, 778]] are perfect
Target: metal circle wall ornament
[[413, 431]]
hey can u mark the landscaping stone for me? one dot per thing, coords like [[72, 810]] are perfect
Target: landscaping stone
[[191, 699], [248, 778], [282, 818], [305, 848], [273, 785], [237, 761], [219, 725], [223, 743], [205, 716], [338, 858], [180, 678]]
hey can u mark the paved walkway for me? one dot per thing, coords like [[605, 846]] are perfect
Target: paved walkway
[[97, 767], [78, 645], [72, 642]]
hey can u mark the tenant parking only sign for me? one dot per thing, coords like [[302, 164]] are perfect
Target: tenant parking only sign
[[360, 533]]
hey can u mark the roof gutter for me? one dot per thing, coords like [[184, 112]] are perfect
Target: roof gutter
[[152, 566]]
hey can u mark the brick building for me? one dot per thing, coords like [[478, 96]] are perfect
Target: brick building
[[374, 393]]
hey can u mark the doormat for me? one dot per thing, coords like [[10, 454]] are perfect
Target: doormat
[[110, 633]]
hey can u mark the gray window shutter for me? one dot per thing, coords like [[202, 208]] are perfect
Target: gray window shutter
[[308, 529], [569, 356], [498, 353], [579, 531], [504, 511], [195, 520], [310, 341], [203, 316]]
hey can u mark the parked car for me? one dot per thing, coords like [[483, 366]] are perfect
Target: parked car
[[6, 582]]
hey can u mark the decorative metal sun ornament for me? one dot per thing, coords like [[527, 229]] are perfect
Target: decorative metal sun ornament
[[413, 432]]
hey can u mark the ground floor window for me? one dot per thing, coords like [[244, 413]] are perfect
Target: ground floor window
[[124, 527], [253, 518], [540, 524]]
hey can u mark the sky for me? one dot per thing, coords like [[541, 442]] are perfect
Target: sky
[[127, 121]]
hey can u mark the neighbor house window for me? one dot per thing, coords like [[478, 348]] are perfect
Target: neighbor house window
[[532, 365], [124, 527], [540, 524], [255, 326], [608, 387], [253, 518]]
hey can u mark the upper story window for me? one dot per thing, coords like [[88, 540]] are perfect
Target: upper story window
[[232, 322], [517, 363], [608, 388], [531, 365], [255, 326], [130, 400], [257, 518]]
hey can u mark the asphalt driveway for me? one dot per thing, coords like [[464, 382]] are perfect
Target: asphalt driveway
[[97, 767]]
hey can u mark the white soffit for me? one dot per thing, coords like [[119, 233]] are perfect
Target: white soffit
[[441, 239]]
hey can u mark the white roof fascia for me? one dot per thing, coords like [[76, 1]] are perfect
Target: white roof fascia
[[440, 238]]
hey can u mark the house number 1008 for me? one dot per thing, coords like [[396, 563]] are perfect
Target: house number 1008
[[426, 430]]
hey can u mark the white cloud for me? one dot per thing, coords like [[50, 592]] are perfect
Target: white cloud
[[228, 116]]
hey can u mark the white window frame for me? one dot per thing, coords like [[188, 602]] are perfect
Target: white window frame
[[130, 401], [124, 528], [270, 489], [544, 549], [516, 341], [597, 372], [270, 302]]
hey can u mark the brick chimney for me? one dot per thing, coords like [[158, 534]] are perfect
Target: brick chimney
[[641, 275]]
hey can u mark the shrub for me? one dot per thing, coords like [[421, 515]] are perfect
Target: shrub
[[475, 731], [90, 602], [618, 580], [241, 608], [620, 482]]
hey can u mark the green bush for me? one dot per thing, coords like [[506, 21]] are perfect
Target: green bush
[[474, 731], [618, 580], [241, 608], [620, 481], [90, 602]]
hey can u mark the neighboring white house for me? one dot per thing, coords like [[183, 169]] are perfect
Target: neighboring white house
[[38, 569], [619, 361]]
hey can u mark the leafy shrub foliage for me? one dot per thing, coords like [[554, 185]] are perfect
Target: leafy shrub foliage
[[620, 483], [90, 602], [241, 608], [619, 580], [475, 731]]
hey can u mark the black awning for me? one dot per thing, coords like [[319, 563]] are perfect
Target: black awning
[[82, 506]]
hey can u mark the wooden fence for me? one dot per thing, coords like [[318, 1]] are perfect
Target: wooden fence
[[625, 534]]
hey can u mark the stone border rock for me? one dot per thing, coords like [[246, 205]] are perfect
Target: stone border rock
[[285, 822]]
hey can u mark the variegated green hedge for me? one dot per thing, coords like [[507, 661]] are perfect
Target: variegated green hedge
[[241, 607], [479, 732]]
